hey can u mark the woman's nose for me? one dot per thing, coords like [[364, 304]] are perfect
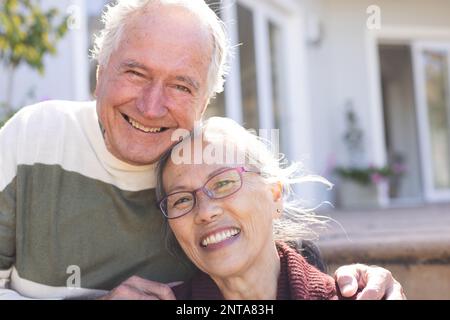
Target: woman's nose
[[207, 210]]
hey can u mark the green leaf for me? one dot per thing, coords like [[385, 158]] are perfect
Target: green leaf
[[3, 43], [28, 33]]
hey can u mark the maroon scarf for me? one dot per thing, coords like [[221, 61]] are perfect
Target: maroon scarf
[[298, 280]]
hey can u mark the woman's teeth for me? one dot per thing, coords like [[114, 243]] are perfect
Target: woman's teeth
[[220, 236], [141, 127]]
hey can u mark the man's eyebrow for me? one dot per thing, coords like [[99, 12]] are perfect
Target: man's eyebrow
[[133, 64], [191, 82]]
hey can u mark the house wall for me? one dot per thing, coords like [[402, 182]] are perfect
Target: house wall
[[337, 68], [344, 67], [66, 73]]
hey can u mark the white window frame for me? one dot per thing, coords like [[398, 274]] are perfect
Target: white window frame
[[398, 35], [80, 60], [233, 94]]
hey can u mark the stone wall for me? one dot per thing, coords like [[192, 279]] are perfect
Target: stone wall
[[423, 269]]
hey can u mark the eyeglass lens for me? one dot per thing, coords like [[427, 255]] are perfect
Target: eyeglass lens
[[219, 186]]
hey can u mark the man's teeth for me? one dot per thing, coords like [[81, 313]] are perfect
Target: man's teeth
[[139, 126], [220, 236]]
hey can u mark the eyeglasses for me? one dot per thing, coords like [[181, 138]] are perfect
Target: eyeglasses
[[219, 186]]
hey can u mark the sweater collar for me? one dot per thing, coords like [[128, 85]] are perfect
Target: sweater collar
[[127, 177], [298, 280]]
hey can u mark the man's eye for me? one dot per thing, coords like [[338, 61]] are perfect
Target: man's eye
[[135, 73], [182, 88]]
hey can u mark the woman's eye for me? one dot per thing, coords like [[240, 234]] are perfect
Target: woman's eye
[[181, 201], [223, 184]]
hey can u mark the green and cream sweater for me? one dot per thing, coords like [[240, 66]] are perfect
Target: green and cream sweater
[[68, 207]]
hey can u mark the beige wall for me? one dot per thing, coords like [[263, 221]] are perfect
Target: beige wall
[[339, 68]]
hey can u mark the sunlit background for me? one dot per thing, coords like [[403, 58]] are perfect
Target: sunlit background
[[359, 91]]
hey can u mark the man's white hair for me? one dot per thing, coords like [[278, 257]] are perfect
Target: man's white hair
[[116, 15]]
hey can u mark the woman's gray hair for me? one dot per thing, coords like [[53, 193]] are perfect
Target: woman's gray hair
[[117, 15], [296, 221]]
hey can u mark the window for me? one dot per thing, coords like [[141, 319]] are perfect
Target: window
[[216, 106], [248, 81]]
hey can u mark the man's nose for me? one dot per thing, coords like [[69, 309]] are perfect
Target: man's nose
[[152, 102], [207, 209]]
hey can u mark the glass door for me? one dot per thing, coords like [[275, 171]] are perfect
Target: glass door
[[255, 87], [432, 86]]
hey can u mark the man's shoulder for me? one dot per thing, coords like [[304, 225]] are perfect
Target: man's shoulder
[[42, 126], [54, 108], [49, 118]]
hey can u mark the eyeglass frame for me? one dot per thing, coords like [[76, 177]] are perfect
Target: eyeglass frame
[[240, 170]]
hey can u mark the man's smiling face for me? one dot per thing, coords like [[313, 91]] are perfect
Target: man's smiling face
[[154, 83]]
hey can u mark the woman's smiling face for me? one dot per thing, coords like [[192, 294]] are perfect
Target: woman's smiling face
[[223, 237]]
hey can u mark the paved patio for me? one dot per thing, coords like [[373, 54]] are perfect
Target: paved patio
[[413, 243], [405, 230]]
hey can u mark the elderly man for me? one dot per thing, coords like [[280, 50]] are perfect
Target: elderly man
[[77, 205]]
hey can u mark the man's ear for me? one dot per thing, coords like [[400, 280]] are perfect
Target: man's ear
[[98, 75], [204, 107]]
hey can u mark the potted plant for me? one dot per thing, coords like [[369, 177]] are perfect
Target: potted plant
[[363, 187], [359, 185], [366, 176]]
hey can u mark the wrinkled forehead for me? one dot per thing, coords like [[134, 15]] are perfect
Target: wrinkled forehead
[[210, 150], [168, 17], [199, 156]]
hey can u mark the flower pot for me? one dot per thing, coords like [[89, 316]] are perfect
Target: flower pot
[[353, 195]]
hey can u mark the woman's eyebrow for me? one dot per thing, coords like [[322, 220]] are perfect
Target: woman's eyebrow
[[176, 189], [184, 188], [216, 171]]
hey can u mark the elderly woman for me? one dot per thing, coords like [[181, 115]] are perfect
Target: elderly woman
[[232, 213]]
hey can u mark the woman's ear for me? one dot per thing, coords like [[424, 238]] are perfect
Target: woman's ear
[[277, 191]]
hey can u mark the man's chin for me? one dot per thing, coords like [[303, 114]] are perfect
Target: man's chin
[[138, 157], [142, 160]]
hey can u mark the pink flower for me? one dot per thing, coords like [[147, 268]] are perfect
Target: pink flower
[[376, 178]]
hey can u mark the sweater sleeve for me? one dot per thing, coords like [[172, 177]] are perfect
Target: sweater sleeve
[[182, 291], [8, 168]]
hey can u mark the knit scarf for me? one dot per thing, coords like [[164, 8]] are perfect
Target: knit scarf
[[298, 280]]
